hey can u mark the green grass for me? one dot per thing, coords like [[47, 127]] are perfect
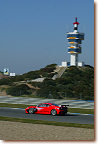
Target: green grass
[[71, 110], [78, 110], [90, 126], [13, 105]]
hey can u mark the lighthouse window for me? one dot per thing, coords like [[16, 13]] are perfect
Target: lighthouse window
[[73, 35], [75, 50], [74, 40], [75, 28]]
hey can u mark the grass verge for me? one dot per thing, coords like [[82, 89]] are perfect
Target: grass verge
[[78, 110], [13, 105], [71, 110], [90, 126]]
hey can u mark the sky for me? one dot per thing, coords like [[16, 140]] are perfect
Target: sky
[[33, 33]]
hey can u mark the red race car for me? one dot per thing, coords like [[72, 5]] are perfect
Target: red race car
[[47, 108]]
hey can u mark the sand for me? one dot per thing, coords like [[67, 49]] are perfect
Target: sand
[[26, 131]]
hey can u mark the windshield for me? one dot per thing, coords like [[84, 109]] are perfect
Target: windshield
[[55, 104]]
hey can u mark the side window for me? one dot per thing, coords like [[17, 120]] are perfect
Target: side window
[[47, 105], [42, 105]]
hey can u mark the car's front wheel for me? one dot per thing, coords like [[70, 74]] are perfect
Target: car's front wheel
[[54, 112], [31, 110]]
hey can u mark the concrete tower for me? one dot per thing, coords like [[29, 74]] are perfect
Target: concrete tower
[[74, 40]]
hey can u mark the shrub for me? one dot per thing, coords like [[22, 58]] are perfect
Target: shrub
[[19, 90]]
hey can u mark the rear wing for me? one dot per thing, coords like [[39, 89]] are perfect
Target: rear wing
[[64, 105]]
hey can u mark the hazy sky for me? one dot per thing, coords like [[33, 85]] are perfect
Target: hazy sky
[[32, 32]]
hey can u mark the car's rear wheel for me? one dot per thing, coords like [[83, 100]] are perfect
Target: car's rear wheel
[[31, 110], [64, 114], [54, 112]]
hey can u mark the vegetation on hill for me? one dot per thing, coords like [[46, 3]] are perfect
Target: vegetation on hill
[[19, 90], [47, 72], [76, 82]]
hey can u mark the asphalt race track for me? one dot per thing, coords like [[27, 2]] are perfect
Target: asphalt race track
[[70, 118]]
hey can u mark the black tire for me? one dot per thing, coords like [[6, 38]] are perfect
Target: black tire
[[31, 110], [64, 114], [54, 112]]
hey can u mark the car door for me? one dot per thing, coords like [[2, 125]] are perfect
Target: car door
[[41, 108], [47, 109]]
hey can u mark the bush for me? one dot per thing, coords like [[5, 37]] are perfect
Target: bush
[[19, 90], [74, 83], [5, 81]]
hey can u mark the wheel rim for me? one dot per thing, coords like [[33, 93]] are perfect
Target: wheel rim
[[53, 112], [30, 111]]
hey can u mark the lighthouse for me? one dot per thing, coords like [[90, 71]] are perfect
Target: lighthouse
[[74, 48]]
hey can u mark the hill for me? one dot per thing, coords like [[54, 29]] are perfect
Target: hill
[[74, 82]]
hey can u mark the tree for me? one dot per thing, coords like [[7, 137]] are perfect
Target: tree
[[19, 90]]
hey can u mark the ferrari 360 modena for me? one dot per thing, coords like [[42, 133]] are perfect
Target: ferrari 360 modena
[[47, 108]]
